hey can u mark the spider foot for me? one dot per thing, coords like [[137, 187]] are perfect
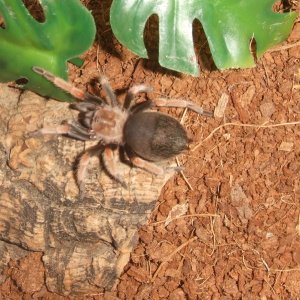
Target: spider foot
[[174, 169], [110, 161], [122, 182], [82, 191], [59, 130], [31, 134]]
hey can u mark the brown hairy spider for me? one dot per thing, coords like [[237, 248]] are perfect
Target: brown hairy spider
[[144, 136]]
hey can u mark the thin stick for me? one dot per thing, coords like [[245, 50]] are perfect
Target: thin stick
[[214, 236], [183, 176], [171, 255], [270, 269], [243, 125], [203, 281], [298, 226], [183, 116], [185, 216], [285, 47], [177, 160]]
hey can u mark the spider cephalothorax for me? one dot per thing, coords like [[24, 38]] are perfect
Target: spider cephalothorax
[[145, 136]]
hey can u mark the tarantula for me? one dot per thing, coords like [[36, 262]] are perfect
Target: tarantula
[[144, 136]]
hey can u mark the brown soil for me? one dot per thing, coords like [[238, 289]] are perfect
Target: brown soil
[[240, 237]]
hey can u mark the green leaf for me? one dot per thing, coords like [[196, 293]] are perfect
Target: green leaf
[[229, 26], [67, 32]]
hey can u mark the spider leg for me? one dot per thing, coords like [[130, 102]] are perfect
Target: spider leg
[[141, 106], [77, 127], [64, 129], [93, 98], [163, 102], [111, 165], [86, 119], [146, 165], [136, 89], [110, 95], [150, 167], [83, 106], [66, 86], [83, 165]]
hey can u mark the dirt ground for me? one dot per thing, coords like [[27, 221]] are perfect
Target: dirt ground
[[240, 235]]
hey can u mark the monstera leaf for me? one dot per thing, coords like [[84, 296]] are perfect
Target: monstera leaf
[[229, 26], [68, 31]]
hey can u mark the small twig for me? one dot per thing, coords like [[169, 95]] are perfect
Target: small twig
[[284, 270], [202, 283], [284, 216], [243, 125], [214, 236], [177, 160], [265, 264], [270, 270], [183, 116], [169, 257], [298, 226], [183, 176], [244, 262], [268, 283], [266, 267], [285, 47], [185, 216]]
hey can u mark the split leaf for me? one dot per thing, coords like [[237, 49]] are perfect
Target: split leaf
[[68, 31], [229, 26]]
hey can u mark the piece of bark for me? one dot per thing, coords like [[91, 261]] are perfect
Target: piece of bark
[[86, 242]]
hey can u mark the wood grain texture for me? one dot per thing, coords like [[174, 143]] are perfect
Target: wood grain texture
[[85, 242]]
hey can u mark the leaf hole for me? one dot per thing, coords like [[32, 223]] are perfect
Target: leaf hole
[[151, 41], [253, 48], [2, 23], [282, 6], [104, 37], [201, 46], [151, 37], [21, 81], [35, 9]]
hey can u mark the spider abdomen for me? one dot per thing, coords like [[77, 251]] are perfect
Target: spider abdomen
[[154, 136]]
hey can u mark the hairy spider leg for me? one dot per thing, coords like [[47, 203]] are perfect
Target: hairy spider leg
[[93, 98], [64, 85], [77, 127], [132, 92], [111, 165], [86, 112], [152, 167], [65, 129], [141, 106], [83, 106], [110, 94], [163, 102], [82, 166], [146, 165]]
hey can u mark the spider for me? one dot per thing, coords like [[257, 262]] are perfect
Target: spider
[[142, 135]]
